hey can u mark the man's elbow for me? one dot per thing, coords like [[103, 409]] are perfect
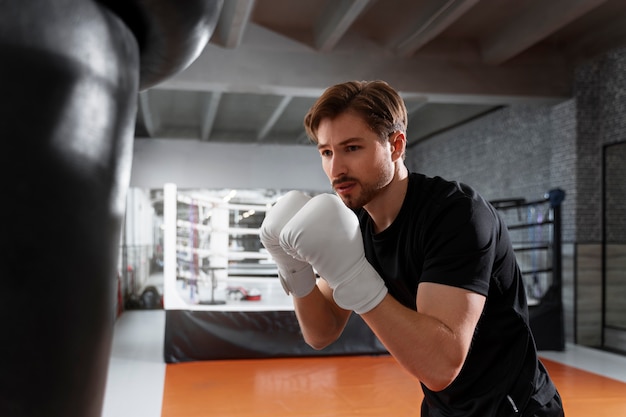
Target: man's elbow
[[442, 379], [446, 369], [436, 375], [437, 384], [319, 343], [321, 337]]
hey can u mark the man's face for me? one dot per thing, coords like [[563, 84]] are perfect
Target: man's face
[[357, 164]]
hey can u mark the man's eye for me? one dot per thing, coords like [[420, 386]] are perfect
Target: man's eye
[[326, 153], [352, 148]]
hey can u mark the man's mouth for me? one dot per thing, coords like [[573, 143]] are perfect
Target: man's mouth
[[344, 187]]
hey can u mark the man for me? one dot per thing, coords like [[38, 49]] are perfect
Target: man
[[427, 263]]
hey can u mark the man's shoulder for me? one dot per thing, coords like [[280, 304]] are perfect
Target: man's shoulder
[[438, 189], [433, 185]]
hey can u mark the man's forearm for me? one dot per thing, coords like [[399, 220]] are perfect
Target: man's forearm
[[424, 346], [321, 321]]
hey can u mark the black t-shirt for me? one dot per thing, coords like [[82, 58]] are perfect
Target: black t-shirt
[[447, 233]]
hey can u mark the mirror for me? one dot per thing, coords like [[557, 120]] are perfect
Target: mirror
[[219, 256]]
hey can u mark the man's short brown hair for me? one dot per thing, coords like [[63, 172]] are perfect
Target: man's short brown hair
[[377, 102]]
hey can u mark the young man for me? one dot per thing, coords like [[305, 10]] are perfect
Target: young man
[[427, 263]]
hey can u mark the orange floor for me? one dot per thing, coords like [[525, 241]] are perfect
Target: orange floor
[[342, 386]]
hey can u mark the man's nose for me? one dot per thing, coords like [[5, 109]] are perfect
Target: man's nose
[[337, 166]]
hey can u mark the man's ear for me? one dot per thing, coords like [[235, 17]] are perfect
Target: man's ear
[[397, 142]]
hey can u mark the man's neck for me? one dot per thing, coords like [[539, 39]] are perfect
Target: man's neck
[[385, 207]]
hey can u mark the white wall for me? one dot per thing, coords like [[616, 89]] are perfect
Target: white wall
[[195, 164]]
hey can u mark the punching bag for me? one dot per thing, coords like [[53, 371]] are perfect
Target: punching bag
[[70, 72]]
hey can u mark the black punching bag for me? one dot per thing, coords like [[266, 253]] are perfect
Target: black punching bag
[[69, 78]]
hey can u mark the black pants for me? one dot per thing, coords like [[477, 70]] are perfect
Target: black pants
[[554, 408]]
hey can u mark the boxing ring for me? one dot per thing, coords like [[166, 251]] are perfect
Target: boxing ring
[[535, 230], [208, 316]]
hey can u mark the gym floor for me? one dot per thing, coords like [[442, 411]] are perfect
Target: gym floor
[[140, 384]]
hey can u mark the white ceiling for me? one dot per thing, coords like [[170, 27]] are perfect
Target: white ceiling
[[452, 60]]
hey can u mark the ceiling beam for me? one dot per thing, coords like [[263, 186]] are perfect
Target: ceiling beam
[[604, 38], [232, 23], [260, 68], [278, 111], [429, 27], [212, 103], [531, 26], [415, 105], [335, 21]]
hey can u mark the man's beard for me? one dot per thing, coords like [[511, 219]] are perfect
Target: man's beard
[[367, 192]]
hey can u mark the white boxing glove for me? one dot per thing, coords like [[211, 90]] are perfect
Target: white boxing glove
[[326, 234], [296, 276]]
